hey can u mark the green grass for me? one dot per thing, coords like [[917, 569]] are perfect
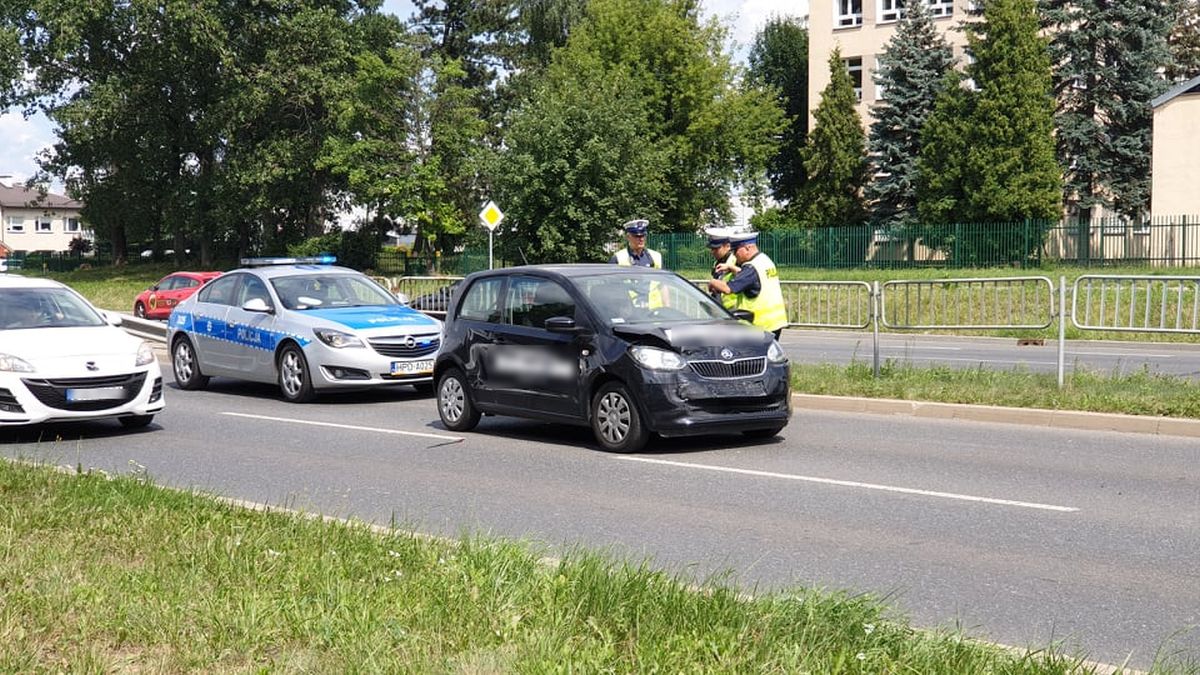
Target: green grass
[[112, 288], [100, 575], [1136, 393]]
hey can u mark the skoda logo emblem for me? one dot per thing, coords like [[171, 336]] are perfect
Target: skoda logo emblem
[[410, 342], [91, 365], [727, 353]]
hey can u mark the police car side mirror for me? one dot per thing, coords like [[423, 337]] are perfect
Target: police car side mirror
[[561, 324], [403, 297], [744, 314], [257, 305]]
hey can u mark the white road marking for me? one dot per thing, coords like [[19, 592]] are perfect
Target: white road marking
[[856, 484], [921, 348], [1156, 356], [352, 427]]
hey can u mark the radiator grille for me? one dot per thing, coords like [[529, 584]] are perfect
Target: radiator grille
[[53, 393], [726, 370], [398, 346]]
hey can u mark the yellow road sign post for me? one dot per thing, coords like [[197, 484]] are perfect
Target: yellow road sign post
[[490, 217]]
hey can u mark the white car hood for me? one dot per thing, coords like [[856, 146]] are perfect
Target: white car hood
[[65, 352]]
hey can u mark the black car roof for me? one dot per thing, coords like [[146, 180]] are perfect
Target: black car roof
[[573, 270]]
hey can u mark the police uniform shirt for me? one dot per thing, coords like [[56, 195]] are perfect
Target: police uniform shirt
[[638, 260], [746, 282]]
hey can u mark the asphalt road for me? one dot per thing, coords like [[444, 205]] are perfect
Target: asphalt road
[[843, 347], [1022, 536]]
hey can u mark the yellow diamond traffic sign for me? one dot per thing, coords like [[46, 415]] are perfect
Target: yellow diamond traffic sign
[[491, 215]]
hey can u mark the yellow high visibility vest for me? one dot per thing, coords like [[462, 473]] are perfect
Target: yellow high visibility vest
[[770, 311], [654, 298], [623, 258], [730, 300]]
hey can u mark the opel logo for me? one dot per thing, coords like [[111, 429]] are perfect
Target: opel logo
[[91, 365], [727, 353], [410, 342]]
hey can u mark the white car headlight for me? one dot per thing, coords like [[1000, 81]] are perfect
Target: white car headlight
[[775, 353], [12, 364], [336, 338], [145, 354], [657, 359]]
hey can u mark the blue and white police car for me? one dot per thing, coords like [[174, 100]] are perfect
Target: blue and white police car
[[304, 323]]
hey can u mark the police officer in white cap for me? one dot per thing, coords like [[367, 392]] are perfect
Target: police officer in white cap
[[725, 265], [756, 284], [636, 253]]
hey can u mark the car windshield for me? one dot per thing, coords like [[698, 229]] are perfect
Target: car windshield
[[642, 298], [323, 291], [22, 308]]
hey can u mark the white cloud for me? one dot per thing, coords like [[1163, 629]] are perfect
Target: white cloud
[[21, 140]]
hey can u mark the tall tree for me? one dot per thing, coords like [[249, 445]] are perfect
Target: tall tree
[[1108, 56], [991, 148], [779, 58], [912, 71], [1184, 41], [835, 157]]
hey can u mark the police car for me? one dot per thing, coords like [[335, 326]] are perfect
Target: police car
[[305, 324]]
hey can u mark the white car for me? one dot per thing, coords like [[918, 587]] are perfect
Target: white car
[[61, 359]]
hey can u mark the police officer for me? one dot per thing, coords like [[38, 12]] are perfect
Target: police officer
[[756, 284], [636, 253], [725, 265]]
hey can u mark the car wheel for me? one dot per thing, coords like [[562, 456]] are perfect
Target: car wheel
[[615, 420], [424, 388], [186, 366], [763, 433], [294, 379], [139, 310], [135, 421], [455, 407]]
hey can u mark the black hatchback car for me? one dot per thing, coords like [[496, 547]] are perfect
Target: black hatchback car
[[628, 351]]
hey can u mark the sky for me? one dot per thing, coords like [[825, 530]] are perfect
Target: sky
[[21, 140]]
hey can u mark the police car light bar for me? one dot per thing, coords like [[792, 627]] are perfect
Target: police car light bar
[[310, 260]]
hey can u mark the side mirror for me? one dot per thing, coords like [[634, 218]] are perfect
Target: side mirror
[[403, 297], [561, 324], [744, 314], [257, 305], [154, 287], [112, 318]]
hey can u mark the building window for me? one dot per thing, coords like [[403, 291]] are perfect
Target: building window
[[941, 8], [72, 225], [891, 10], [855, 69], [43, 226], [16, 224], [847, 13]]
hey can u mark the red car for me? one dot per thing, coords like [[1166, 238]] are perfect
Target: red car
[[157, 301]]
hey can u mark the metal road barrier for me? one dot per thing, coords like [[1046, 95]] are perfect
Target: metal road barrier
[[1137, 304], [430, 295], [828, 304], [144, 328], [991, 303]]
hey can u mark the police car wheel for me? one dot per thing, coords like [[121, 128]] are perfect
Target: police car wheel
[[139, 310], [294, 380], [186, 366], [763, 433], [455, 407], [616, 422]]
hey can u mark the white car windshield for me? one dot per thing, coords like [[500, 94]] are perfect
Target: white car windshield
[[324, 291], [640, 298], [22, 308]]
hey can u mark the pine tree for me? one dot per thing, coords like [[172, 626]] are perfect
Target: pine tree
[[911, 71], [835, 157], [1184, 42], [992, 159], [1108, 56]]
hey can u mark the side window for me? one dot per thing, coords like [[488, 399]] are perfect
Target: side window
[[482, 301], [253, 288], [220, 291], [532, 300], [168, 284], [188, 283]]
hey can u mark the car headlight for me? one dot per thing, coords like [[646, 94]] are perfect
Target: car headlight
[[657, 359], [775, 353], [12, 364], [145, 354], [336, 338]]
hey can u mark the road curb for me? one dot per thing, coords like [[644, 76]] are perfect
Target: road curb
[[1040, 417]]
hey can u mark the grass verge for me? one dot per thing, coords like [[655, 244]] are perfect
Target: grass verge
[[100, 575]]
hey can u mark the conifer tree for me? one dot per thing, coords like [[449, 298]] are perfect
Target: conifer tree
[[1184, 42], [835, 157], [911, 71], [1108, 56]]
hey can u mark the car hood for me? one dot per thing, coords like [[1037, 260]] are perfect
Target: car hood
[[376, 317], [57, 350], [697, 338]]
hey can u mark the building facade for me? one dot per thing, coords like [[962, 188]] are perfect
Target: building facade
[[31, 221], [1175, 169]]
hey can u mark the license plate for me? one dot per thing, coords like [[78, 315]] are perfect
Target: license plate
[[97, 394], [412, 367]]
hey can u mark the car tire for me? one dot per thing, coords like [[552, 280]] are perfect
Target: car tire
[[186, 366], [139, 310], [455, 407], [135, 421], [616, 422], [763, 433], [424, 388], [294, 379]]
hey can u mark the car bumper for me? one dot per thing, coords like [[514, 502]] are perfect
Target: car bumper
[[363, 367], [36, 398], [687, 405]]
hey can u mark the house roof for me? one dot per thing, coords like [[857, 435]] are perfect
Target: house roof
[[19, 196], [1192, 86]]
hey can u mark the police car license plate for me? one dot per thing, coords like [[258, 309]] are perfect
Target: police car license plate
[[412, 367], [97, 394]]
